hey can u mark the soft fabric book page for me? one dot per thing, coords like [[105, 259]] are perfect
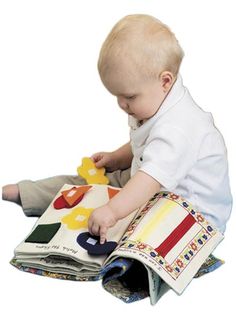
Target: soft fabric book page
[[60, 236], [171, 238], [166, 235]]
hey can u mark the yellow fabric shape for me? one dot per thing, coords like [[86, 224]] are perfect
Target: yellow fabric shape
[[78, 218], [92, 174]]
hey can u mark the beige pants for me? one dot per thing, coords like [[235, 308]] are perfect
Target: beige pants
[[37, 195]]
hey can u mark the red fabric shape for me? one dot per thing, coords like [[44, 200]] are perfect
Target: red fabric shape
[[60, 202], [164, 248]]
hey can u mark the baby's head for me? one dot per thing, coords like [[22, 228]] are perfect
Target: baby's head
[[139, 62]]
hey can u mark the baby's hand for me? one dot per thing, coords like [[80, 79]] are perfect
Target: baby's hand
[[107, 160], [100, 220]]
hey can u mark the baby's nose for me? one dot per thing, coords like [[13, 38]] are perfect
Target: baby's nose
[[122, 103]]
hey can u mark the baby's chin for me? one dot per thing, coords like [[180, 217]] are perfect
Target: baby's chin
[[140, 119]]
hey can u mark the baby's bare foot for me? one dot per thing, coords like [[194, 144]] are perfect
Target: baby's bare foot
[[11, 193]]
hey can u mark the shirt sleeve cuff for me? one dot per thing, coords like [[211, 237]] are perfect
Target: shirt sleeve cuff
[[152, 170]]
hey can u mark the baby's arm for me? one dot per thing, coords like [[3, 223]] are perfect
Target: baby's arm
[[124, 156], [138, 190], [119, 159]]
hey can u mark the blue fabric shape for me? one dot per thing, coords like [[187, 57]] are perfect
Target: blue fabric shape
[[92, 244]]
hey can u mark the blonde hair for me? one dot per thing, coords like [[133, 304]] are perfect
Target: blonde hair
[[148, 43]]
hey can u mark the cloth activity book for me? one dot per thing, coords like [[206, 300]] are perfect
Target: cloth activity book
[[166, 236]]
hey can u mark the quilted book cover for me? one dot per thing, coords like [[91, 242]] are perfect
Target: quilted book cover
[[167, 235]]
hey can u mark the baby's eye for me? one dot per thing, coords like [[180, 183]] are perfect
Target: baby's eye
[[130, 97]]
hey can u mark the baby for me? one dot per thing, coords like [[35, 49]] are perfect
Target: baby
[[174, 144]]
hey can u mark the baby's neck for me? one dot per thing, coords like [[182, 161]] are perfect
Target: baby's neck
[[141, 122]]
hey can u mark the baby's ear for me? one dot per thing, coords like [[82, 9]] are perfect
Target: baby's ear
[[167, 80]]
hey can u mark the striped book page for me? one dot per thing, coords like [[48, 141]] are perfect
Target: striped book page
[[171, 237]]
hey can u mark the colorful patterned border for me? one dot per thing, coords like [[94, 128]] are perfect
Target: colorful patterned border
[[190, 250]]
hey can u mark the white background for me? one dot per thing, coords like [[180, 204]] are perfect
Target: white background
[[54, 110]]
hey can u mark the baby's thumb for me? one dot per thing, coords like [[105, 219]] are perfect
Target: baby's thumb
[[100, 163], [95, 157]]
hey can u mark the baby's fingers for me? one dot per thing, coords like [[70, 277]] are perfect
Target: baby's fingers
[[93, 228], [103, 232], [101, 163], [96, 157]]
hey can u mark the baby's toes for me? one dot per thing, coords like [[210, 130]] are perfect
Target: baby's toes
[[10, 193]]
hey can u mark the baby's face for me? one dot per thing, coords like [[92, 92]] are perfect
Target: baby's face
[[137, 97]]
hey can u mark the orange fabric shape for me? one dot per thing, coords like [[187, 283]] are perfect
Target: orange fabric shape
[[60, 202], [112, 192], [72, 195]]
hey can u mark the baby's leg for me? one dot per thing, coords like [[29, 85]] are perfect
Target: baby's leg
[[118, 178], [35, 196]]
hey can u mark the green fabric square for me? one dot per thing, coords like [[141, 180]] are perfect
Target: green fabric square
[[43, 233]]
